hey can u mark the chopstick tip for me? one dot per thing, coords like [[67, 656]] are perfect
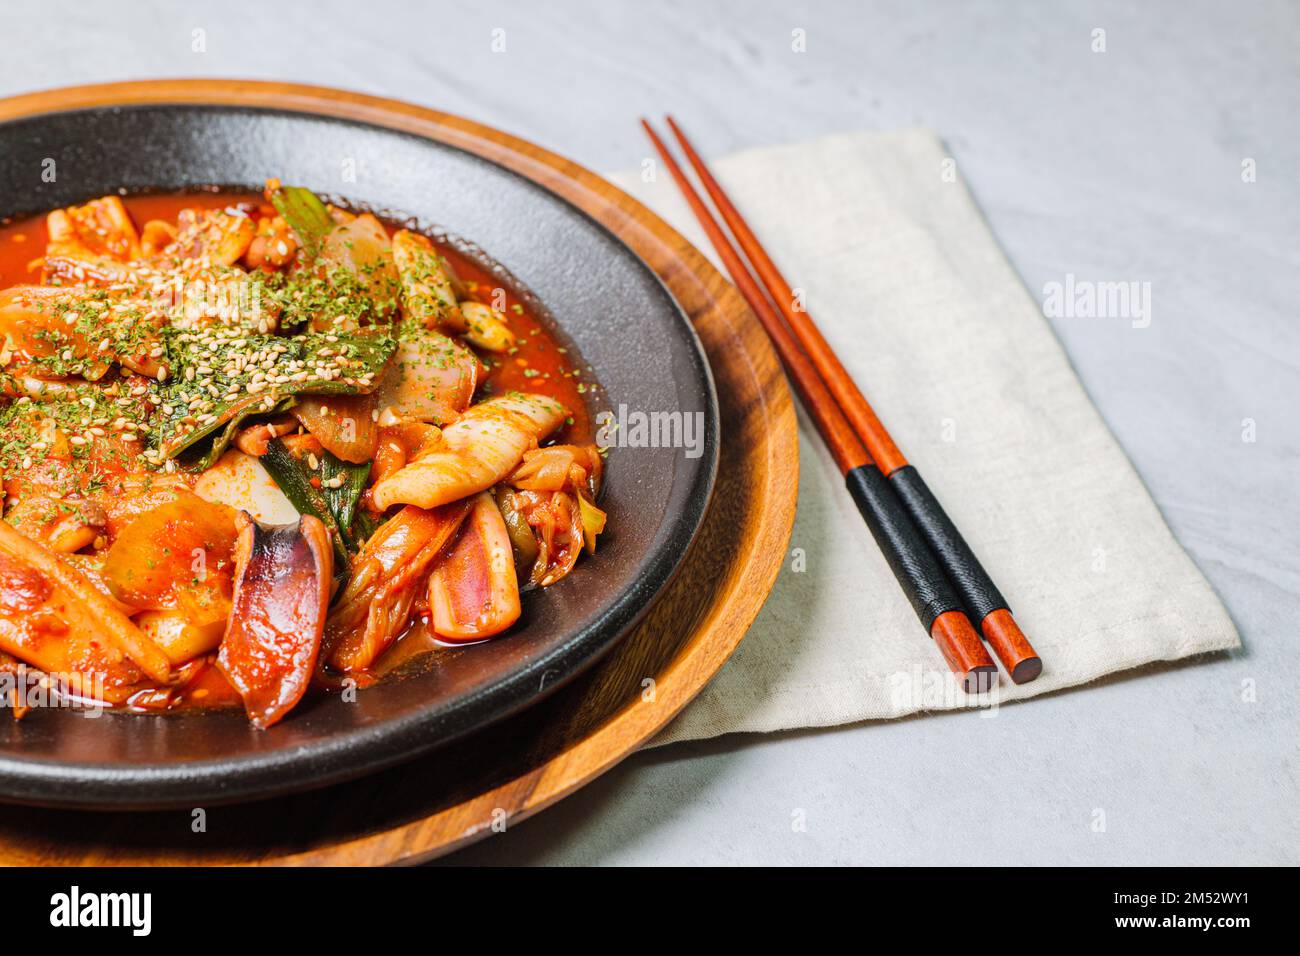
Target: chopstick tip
[[654, 139], [1011, 646]]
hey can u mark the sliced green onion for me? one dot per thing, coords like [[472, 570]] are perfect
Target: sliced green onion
[[305, 214], [294, 478]]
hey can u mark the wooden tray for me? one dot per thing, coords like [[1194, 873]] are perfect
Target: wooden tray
[[514, 769]]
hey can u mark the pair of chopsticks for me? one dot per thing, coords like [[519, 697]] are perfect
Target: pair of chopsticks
[[936, 568]]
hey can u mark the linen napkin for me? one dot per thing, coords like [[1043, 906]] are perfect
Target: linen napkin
[[902, 274]]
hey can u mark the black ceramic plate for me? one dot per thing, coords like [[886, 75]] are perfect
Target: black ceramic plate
[[603, 299]]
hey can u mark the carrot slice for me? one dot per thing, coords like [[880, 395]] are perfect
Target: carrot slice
[[175, 557]]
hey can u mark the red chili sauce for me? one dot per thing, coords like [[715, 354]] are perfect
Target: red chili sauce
[[539, 364]]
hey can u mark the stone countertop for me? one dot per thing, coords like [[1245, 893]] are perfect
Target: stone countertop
[[1169, 158]]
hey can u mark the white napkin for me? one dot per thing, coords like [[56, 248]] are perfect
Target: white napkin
[[907, 283]]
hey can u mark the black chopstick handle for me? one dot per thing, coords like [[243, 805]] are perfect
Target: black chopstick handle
[[902, 544], [980, 594]]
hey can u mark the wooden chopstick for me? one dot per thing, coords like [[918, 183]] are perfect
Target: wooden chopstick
[[933, 598], [981, 596]]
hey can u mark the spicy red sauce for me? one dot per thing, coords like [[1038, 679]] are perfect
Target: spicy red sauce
[[540, 364]]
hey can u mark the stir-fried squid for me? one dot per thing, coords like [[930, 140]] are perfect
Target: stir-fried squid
[[476, 452], [389, 572], [282, 590], [473, 591], [175, 368]]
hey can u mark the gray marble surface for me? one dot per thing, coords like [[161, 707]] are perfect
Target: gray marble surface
[[1118, 165]]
